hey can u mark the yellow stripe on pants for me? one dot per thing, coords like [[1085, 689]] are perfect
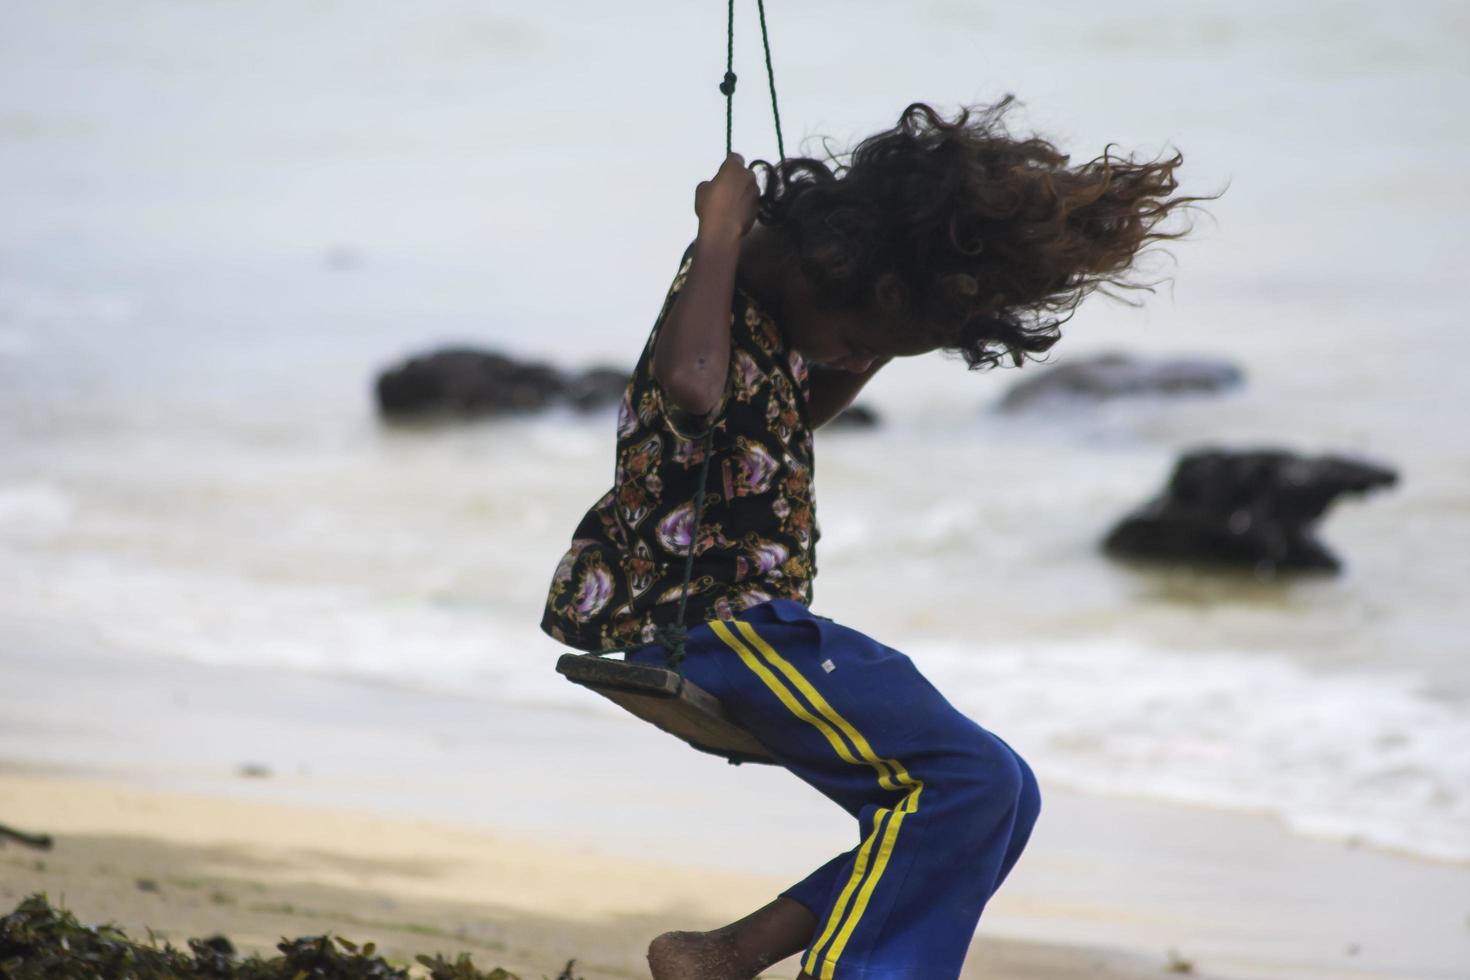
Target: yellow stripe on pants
[[839, 910], [885, 851], [891, 775], [781, 692], [900, 778]]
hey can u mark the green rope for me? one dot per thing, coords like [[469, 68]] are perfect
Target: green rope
[[771, 76], [727, 84], [674, 636]]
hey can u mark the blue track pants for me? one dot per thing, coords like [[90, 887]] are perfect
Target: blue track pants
[[944, 807]]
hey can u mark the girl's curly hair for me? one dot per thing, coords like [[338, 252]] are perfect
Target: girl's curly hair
[[981, 241]]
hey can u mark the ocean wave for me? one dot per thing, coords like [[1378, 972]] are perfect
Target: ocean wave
[[1357, 756], [1353, 755]]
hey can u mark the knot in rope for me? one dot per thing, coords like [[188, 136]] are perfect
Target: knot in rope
[[673, 639], [727, 87]]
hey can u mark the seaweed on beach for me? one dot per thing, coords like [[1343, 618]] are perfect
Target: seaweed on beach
[[41, 942]]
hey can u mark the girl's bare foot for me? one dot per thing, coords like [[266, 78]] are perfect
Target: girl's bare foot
[[735, 952], [695, 956]]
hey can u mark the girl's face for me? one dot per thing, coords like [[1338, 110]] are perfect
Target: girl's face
[[845, 340]]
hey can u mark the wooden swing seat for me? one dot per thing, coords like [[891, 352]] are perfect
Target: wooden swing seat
[[656, 695]]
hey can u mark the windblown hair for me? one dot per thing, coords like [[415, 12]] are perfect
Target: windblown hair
[[980, 241]]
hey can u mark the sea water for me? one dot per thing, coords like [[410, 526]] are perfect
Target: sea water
[[217, 223]]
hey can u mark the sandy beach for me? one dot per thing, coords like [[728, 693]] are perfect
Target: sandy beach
[[187, 866]]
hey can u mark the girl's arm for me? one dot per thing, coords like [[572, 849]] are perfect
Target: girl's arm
[[691, 357], [833, 390]]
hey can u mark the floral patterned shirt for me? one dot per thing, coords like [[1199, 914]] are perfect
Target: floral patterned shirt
[[624, 572]]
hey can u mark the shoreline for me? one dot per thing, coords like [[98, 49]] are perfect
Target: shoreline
[[1121, 879]]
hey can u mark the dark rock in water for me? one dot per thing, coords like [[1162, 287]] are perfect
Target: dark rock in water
[[1118, 375], [1252, 509], [595, 388], [465, 382], [854, 417]]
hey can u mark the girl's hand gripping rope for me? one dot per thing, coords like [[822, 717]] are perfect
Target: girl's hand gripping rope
[[726, 204]]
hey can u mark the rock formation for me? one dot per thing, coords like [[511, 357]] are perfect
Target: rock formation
[[1256, 510], [466, 383], [1120, 375]]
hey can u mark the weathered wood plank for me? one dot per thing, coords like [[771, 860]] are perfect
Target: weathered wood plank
[[654, 694]]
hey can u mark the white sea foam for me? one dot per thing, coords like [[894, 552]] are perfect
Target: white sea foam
[[1346, 754], [1354, 755]]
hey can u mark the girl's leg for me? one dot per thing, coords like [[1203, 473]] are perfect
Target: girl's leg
[[740, 950], [788, 925], [944, 807]]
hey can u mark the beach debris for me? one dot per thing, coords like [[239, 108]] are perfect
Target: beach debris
[[566, 972], [253, 770], [1116, 375], [461, 382], [1174, 963], [41, 842], [147, 885], [1257, 510], [41, 942]]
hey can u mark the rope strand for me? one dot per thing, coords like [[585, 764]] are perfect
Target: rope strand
[[771, 75], [728, 84], [672, 637]]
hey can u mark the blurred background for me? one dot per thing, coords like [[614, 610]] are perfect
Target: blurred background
[[219, 221]]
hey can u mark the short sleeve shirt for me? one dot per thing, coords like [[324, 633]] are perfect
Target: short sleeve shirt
[[623, 575]]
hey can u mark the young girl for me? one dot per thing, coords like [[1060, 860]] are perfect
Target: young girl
[[939, 233]]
